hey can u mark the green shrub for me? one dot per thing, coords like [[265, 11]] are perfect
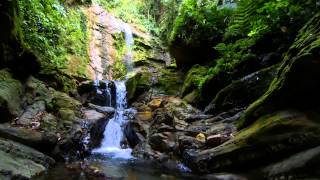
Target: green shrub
[[56, 33]]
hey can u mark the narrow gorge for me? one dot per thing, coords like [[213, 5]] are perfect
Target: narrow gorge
[[169, 89]]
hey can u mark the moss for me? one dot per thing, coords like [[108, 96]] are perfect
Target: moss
[[54, 32], [10, 96], [169, 82], [119, 68], [264, 141], [246, 90], [66, 114], [137, 84], [193, 79], [297, 82]]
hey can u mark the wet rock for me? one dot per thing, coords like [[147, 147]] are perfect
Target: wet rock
[[302, 164], [188, 142], [216, 140], [94, 123], [21, 162], [163, 142], [162, 116], [93, 115], [102, 109], [222, 177], [133, 133], [196, 117], [96, 92]]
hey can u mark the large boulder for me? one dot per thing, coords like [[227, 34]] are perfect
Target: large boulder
[[269, 139], [21, 162], [10, 97], [242, 92], [298, 81], [43, 142], [137, 84]]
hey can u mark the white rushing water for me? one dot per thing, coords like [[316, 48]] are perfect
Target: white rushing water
[[129, 43], [113, 134]]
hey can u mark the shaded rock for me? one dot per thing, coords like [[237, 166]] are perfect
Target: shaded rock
[[144, 116], [264, 139], [66, 115], [191, 82], [298, 80], [196, 117], [194, 98], [102, 109], [155, 103], [132, 131], [31, 113], [188, 142], [139, 83], [163, 142], [216, 140], [43, 142], [242, 92], [222, 176], [94, 123], [49, 122], [62, 100], [10, 96], [19, 161], [93, 115], [97, 92], [300, 165]]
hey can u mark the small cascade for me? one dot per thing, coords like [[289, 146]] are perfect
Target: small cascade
[[108, 94], [113, 134], [129, 43]]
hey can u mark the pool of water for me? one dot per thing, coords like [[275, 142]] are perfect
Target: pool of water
[[107, 166]]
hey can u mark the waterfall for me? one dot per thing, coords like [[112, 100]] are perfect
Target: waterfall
[[113, 134], [129, 43]]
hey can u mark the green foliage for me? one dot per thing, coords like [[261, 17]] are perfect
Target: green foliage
[[130, 11], [119, 68], [199, 21], [252, 21], [55, 33]]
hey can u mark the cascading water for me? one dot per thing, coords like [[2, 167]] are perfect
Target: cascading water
[[113, 134], [129, 43]]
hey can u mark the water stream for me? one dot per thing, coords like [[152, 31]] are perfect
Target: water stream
[[128, 35], [113, 134]]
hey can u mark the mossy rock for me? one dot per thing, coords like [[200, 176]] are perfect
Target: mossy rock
[[271, 138], [242, 92], [62, 100], [193, 98], [169, 82], [10, 96], [137, 84], [66, 115], [193, 78], [21, 162], [298, 81]]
